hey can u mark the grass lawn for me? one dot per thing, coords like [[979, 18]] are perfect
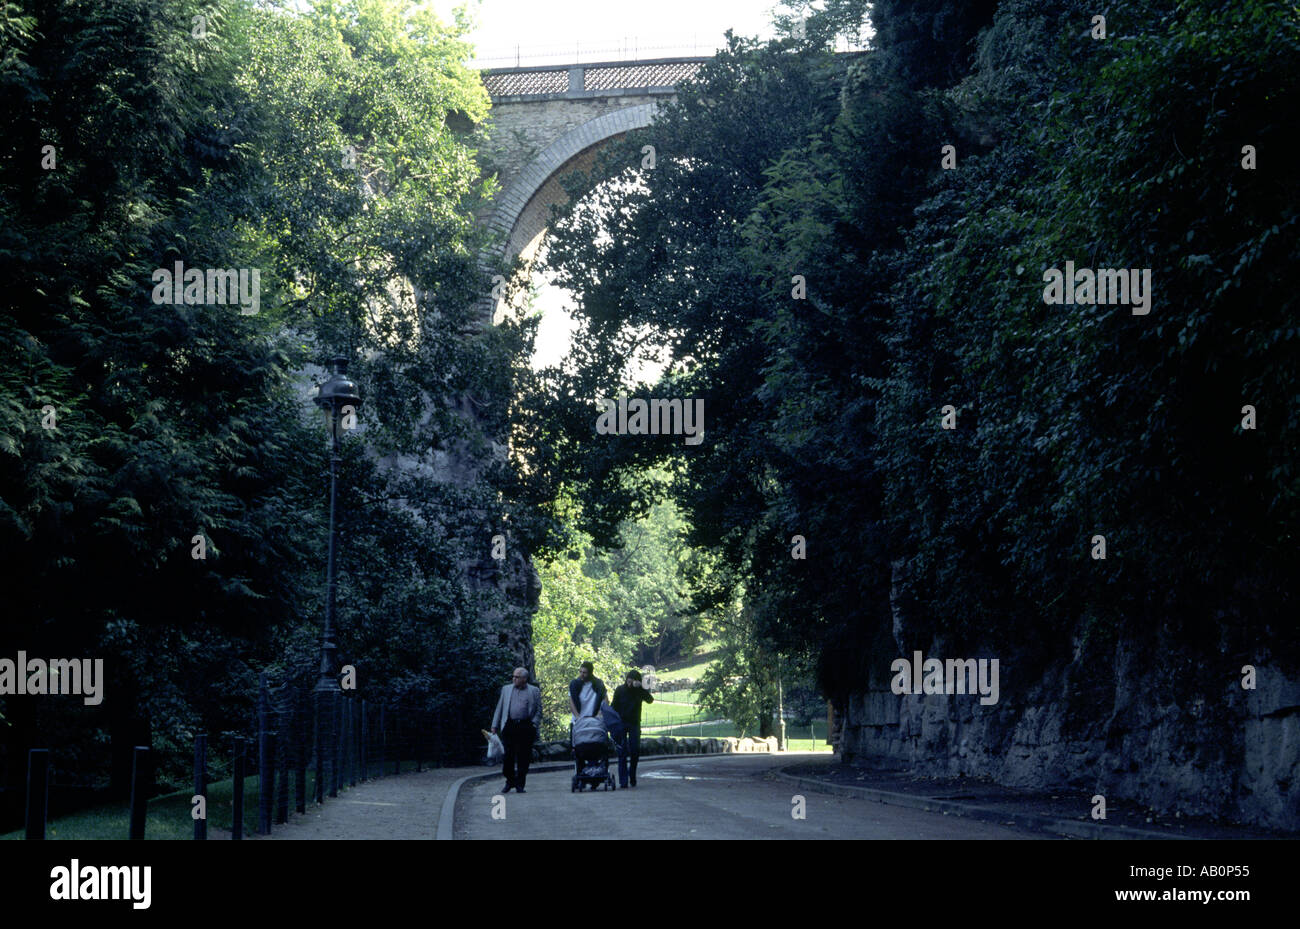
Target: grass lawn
[[718, 728], [168, 816], [657, 714], [796, 737], [693, 671], [677, 696], [689, 666], [806, 745]]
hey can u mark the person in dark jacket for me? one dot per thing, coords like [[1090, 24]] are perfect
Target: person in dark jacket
[[586, 692], [628, 698]]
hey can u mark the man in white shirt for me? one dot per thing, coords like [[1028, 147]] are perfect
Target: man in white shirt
[[586, 692]]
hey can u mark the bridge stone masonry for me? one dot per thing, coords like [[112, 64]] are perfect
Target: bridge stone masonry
[[551, 120]]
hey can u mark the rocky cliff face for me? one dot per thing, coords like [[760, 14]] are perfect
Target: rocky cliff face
[[505, 590], [1167, 724]]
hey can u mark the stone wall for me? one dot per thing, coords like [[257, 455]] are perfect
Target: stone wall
[[506, 621], [508, 624], [1208, 747]]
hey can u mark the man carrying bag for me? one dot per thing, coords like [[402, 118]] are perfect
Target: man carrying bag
[[518, 717]]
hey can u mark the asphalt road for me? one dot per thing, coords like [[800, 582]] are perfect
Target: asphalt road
[[718, 797]]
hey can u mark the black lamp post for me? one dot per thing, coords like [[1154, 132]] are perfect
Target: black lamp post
[[339, 399]]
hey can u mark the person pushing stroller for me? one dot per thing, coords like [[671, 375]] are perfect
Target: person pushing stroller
[[586, 692], [591, 754], [594, 721]]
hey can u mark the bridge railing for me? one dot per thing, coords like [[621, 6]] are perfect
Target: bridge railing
[[592, 79]]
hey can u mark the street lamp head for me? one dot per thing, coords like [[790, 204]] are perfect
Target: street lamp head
[[337, 393]]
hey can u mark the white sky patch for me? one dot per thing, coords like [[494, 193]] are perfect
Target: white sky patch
[[555, 331], [569, 31], [554, 305]]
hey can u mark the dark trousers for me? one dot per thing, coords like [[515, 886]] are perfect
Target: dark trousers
[[629, 750], [517, 737]]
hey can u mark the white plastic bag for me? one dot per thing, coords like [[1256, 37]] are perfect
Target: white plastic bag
[[496, 752]]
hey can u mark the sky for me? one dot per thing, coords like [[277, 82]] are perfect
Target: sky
[[568, 31]]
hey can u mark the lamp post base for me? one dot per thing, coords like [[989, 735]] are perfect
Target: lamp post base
[[326, 707]]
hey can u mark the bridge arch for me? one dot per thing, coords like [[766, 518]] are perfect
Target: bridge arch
[[551, 120], [523, 209]]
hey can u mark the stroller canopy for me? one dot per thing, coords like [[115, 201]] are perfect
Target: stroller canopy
[[588, 730]]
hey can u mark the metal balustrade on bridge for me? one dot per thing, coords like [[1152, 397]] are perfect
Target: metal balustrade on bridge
[[596, 79]]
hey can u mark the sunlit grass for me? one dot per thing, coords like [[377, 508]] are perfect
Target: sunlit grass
[[693, 671], [677, 696], [657, 714], [718, 728], [798, 738]]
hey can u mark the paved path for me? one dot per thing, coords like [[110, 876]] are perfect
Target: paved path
[[718, 797], [401, 807]]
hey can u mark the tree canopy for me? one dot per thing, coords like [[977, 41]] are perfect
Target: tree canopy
[[829, 287], [163, 475]]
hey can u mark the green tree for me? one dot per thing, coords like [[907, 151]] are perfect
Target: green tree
[[783, 167], [331, 149], [569, 616], [612, 607], [110, 108]]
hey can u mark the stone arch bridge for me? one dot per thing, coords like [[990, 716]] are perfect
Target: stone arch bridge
[[548, 121]]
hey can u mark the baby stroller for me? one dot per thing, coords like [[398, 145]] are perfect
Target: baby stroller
[[591, 754]]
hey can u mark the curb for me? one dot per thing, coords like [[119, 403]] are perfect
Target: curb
[[1031, 821], [447, 816]]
